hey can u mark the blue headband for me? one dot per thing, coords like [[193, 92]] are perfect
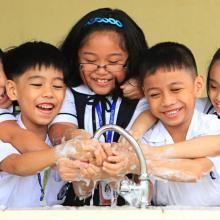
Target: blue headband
[[106, 21]]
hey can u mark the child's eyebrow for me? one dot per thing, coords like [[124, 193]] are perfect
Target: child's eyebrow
[[111, 54], [171, 84], [213, 80], [41, 77], [150, 89], [87, 53], [58, 78]]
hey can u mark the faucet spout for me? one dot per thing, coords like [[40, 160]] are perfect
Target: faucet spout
[[128, 187]]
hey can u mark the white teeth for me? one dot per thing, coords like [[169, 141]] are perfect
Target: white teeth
[[172, 112], [102, 80], [46, 106]]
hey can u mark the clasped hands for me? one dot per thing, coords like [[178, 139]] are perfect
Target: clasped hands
[[89, 159]]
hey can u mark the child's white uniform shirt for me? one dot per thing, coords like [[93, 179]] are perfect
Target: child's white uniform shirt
[[205, 192], [68, 110], [25, 192], [204, 105], [6, 114]]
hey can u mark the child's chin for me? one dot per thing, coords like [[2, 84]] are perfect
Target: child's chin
[[44, 122], [103, 91]]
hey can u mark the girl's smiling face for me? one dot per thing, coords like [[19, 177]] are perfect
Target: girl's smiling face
[[214, 86], [5, 102], [102, 48]]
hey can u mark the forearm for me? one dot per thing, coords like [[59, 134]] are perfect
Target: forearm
[[143, 122], [183, 170], [22, 139], [29, 163], [65, 131], [194, 148]]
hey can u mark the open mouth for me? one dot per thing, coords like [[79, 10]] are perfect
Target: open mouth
[[102, 82], [46, 107], [172, 113]]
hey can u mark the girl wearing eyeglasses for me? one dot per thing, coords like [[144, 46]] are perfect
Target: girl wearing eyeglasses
[[103, 50]]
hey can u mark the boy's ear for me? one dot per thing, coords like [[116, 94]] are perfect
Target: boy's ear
[[199, 85], [11, 90]]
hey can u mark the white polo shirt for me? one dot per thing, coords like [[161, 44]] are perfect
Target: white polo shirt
[[205, 192], [68, 110], [204, 105], [6, 114], [25, 192]]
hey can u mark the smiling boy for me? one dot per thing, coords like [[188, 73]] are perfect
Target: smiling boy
[[36, 72], [171, 85]]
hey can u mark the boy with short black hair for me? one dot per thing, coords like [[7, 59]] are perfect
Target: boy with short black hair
[[171, 85], [36, 73], [10, 131]]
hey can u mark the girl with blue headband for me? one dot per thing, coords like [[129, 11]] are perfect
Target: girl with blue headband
[[103, 50]]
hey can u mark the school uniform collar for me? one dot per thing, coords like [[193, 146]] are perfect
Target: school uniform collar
[[196, 125], [10, 109], [159, 134], [19, 121], [84, 89], [21, 125], [215, 113], [211, 110]]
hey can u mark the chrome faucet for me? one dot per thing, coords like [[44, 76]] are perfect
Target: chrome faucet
[[138, 192]]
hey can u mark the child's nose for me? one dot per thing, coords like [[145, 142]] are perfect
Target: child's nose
[[48, 92], [168, 99], [101, 69]]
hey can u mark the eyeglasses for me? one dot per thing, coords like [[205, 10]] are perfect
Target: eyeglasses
[[92, 67]]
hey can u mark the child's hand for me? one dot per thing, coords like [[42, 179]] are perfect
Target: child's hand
[[125, 144], [118, 164], [131, 89], [107, 147], [91, 172], [69, 170], [86, 150]]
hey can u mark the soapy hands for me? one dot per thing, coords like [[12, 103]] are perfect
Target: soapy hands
[[88, 159], [120, 160], [85, 150]]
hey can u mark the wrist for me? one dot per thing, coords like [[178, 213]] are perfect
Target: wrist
[[83, 189]]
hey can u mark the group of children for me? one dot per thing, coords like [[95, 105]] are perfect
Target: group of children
[[104, 73]]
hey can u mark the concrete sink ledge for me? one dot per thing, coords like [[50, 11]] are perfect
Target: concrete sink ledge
[[106, 213]]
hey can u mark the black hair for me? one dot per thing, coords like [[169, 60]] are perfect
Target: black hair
[[167, 56], [215, 58], [29, 55], [133, 40], [1, 53]]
